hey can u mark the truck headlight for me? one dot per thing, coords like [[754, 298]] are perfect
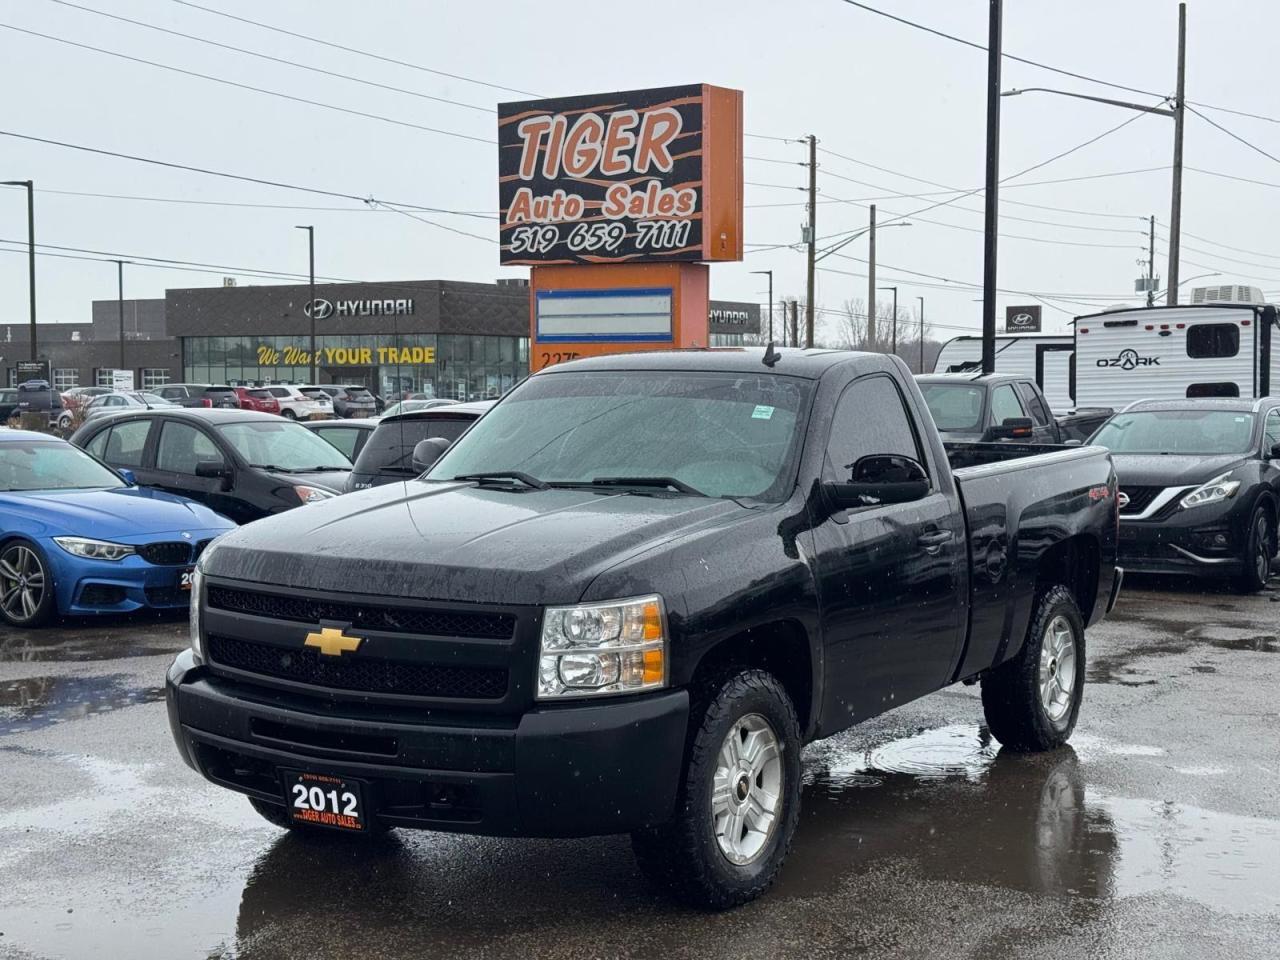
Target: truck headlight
[[1217, 489], [193, 615], [94, 549], [593, 649]]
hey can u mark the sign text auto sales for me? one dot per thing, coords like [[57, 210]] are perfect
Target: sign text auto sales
[[597, 179]]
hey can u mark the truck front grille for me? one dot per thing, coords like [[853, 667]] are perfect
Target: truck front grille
[[366, 616], [358, 673]]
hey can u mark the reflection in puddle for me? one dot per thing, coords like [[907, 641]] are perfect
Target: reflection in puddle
[[36, 702], [108, 638], [957, 808]]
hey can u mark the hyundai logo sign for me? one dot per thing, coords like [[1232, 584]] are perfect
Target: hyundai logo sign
[[322, 309], [319, 309], [1024, 319]]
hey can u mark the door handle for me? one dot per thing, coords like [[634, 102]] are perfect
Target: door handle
[[933, 541]]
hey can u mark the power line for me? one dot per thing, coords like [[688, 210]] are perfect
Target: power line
[[1044, 66], [1223, 256], [280, 60], [240, 203], [363, 53], [227, 176], [1225, 246], [250, 87], [1230, 176], [433, 223], [1235, 136]]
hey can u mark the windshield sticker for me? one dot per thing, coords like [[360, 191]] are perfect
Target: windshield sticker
[[762, 412]]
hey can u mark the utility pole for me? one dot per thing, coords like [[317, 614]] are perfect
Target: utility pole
[[795, 323], [311, 302], [921, 299], [1151, 262], [120, 305], [31, 252], [1175, 211], [871, 280], [894, 327], [770, 275], [813, 238], [992, 196]]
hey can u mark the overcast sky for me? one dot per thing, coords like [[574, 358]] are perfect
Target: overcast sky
[[871, 89]]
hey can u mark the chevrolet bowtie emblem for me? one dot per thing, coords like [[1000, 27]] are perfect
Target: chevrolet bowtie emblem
[[332, 642]]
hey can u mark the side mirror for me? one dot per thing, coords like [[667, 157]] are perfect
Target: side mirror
[[879, 479], [127, 476], [1275, 451], [427, 452], [1013, 428], [212, 469], [1073, 442]]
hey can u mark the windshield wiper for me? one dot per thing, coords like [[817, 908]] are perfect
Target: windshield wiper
[[666, 483], [517, 475]]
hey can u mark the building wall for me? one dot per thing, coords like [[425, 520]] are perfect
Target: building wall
[[143, 319], [79, 364]]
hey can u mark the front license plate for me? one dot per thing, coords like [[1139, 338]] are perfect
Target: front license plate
[[184, 578], [324, 800]]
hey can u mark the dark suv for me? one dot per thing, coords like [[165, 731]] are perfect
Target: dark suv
[[387, 456], [1199, 486], [199, 395], [969, 407], [348, 401]]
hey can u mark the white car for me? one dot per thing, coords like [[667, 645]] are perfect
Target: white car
[[296, 405]]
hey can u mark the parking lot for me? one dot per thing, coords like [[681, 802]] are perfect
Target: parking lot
[[1156, 833]]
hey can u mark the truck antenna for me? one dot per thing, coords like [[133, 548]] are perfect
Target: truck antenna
[[771, 355]]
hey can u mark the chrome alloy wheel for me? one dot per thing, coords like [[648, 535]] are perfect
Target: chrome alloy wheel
[[21, 583], [1057, 669], [746, 797]]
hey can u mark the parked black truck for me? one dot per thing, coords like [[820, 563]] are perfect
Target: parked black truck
[[625, 599]]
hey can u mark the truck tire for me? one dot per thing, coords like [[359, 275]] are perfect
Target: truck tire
[[1255, 565], [738, 804], [1031, 702]]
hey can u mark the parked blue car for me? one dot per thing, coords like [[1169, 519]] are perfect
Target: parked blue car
[[76, 537]]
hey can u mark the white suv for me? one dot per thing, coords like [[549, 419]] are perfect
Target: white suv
[[296, 405]]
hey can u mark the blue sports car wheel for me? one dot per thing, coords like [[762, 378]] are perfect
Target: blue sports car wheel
[[26, 595]]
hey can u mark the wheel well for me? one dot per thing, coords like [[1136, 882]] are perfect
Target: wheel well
[[1074, 563], [781, 648]]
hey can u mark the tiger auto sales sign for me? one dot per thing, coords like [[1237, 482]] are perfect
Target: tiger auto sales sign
[[634, 177]]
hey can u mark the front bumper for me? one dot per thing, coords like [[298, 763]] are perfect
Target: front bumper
[[88, 587], [1205, 541], [572, 770]]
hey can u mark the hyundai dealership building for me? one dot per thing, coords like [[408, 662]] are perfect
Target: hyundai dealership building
[[439, 337]]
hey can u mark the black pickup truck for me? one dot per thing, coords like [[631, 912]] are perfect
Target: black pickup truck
[[627, 597]]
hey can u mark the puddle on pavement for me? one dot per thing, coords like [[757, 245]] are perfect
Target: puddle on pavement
[[958, 808], [108, 638], [36, 702], [1119, 668]]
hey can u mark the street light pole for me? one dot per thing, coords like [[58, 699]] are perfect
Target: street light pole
[[992, 197], [770, 275], [311, 301], [120, 305], [871, 279], [921, 299], [1175, 209], [813, 229], [894, 347], [31, 252]]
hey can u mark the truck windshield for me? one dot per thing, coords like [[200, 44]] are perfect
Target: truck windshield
[[956, 407], [725, 435], [1195, 432]]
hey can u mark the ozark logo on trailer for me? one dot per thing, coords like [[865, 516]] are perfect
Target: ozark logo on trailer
[[645, 175], [1128, 359]]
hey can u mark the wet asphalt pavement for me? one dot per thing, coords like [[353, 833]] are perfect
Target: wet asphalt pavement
[[1155, 834]]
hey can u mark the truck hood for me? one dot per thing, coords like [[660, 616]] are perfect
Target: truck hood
[[448, 541], [1171, 470]]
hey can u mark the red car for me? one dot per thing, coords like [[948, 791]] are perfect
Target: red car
[[257, 398]]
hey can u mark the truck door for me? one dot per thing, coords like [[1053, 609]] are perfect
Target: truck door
[[890, 576], [1044, 427]]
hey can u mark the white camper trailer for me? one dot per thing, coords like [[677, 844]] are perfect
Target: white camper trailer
[[1045, 358], [1170, 353]]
